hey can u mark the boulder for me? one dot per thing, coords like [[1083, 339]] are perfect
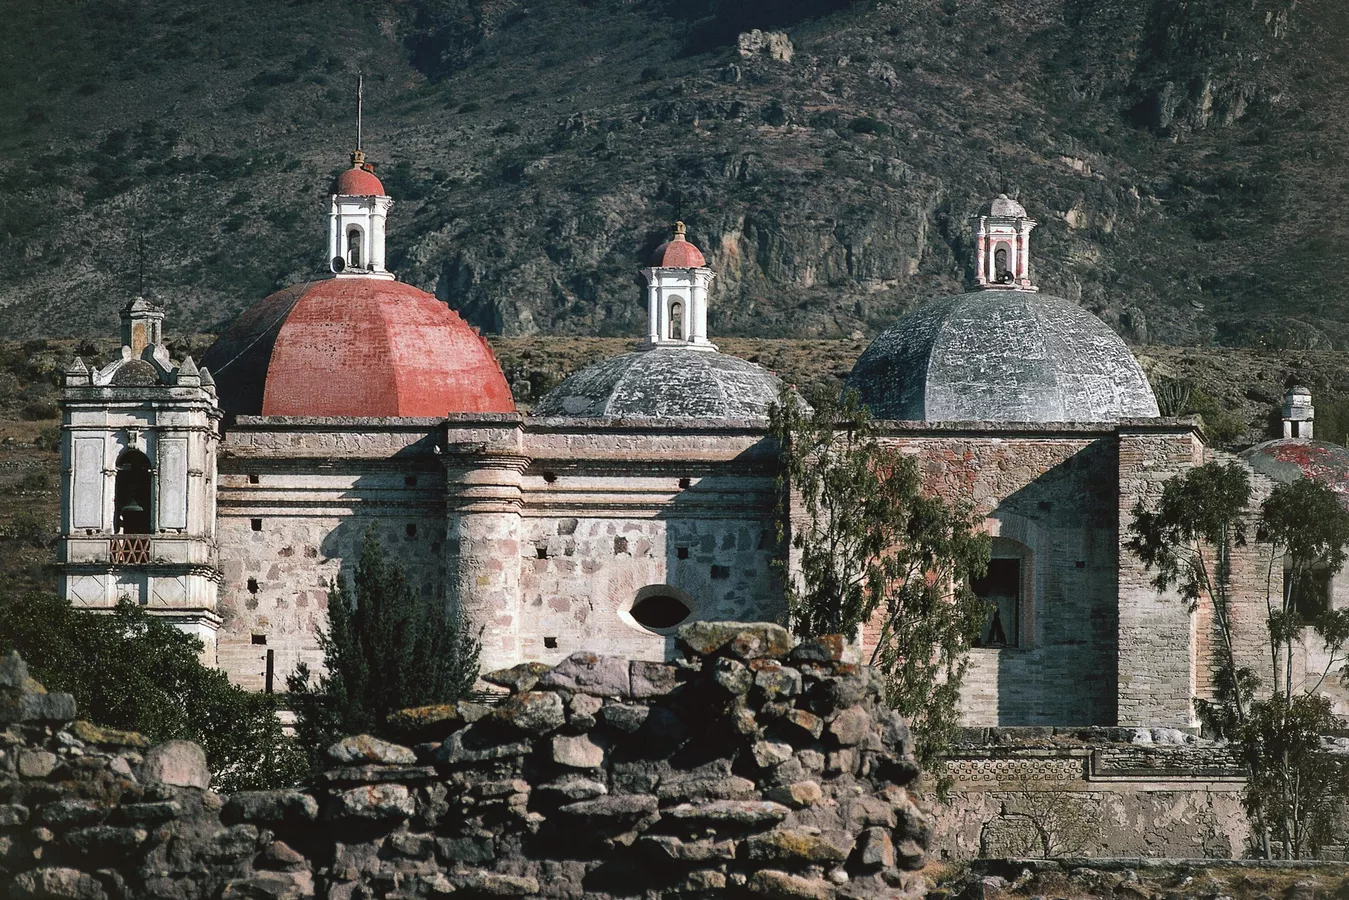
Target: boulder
[[533, 712], [107, 737], [56, 883], [590, 673], [652, 679], [778, 885], [175, 763], [729, 812], [518, 678], [744, 640], [373, 802], [365, 748], [577, 752], [799, 846], [270, 807]]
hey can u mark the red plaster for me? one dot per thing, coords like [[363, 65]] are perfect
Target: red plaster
[[367, 347], [358, 182], [678, 254]]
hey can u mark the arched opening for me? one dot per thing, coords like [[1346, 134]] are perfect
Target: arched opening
[[1006, 589], [131, 494], [1001, 273], [354, 248], [661, 608], [676, 321]]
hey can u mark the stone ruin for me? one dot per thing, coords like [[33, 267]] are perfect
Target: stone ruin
[[750, 768]]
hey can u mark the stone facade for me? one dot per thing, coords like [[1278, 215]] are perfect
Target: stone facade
[[751, 768]]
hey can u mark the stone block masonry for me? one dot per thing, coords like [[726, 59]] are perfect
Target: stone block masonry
[[748, 768]]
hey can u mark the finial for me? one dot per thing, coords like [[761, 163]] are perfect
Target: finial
[[357, 159], [680, 230], [360, 104]]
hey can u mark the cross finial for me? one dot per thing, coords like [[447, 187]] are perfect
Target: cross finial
[[360, 103], [140, 264]]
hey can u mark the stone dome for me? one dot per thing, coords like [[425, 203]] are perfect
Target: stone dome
[[1288, 459], [1002, 356], [663, 383], [1005, 207], [359, 181], [678, 252], [355, 347]]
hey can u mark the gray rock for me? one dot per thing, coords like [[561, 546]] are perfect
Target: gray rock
[[730, 812], [826, 648], [492, 884], [652, 679], [798, 845], [732, 676], [668, 847], [518, 678], [590, 673], [533, 712], [175, 763], [768, 754], [797, 795], [851, 726], [270, 807], [103, 838], [744, 640], [623, 808], [572, 789], [72, 812], [55, 883], [270, 886], [582, 710], [624, 717], [877, 850], [476, 745], [149, 813], [36, 763], [705, 787], [577, 752], [364, 748], [778, 885], [374, 802], [12, 815], [282, 857], [798, 725], [472, 849], [777, 682], [230, 844]]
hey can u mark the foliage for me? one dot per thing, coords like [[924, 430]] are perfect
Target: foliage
[[386, 648], [875, 551], [130, 670], [1293, 786]]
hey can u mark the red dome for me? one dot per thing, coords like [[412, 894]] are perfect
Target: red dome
[[359, 182], [355, 347], [678, 252]]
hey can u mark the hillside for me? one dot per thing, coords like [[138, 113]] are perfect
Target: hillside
[[1186, 160]]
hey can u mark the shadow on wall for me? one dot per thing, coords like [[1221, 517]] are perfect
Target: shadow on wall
[[1055, 561]]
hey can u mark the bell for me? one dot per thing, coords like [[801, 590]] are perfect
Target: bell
[[132, 507]]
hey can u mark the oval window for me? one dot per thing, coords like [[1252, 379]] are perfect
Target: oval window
[[660, 611]]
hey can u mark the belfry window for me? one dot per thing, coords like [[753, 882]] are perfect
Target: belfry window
[[676, 321], [1002, 273], [354, 248], [131, 493], [1000, 588]]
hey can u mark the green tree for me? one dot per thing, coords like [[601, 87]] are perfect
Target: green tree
[[874, 549], [386, 648], [132, 671], [1293, 785]]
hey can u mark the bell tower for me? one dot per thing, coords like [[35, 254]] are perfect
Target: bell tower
[[1002, 246], [676, 295], [358, 214]]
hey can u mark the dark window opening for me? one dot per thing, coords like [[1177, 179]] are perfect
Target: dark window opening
[[620, 545], [550, 643], [411, 530], [410, 481], [255, 524], [252, 585], [549, 477], [354, 248], [676, 321], [682, 552], [685, 482], [1002, 274], [660, 611], [541, 552], [721, 572], [131, 493], [254, 479], [1001, 590], [260, 640], [1311, 601]]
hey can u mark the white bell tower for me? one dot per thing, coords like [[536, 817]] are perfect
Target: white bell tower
[[676, 295], [356, 227], [1002, 246]]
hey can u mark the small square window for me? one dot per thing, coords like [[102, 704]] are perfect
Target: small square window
[[254, 479], [720, 572], [541, 552], [1001, 590], [684, 483], [255, 524], [411, 530], [410, 481], [260, 640], [682, 552], [252, 585], [550, 643]]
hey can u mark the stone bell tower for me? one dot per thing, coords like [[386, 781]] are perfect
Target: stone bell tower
[[360, 209], [677, 283], [138, 463], [1299, 415], [1002, 246]]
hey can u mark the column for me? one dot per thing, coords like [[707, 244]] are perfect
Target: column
[[698, 312], [652, 310], [981, 254], [483, 503]]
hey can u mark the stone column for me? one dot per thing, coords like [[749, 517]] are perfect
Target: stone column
[[1158, 647], [652, 309], [482, 550], [981, 254]]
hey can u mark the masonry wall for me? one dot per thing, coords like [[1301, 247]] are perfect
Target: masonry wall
[[1049, 498]]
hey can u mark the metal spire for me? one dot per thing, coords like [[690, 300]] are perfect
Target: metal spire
[[360, 104]]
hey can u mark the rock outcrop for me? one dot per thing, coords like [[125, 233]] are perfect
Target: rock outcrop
[[751, 768]]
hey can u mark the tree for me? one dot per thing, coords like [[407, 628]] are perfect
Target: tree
[[874, 549], [132, 671], [386, 648], [1293, 785]]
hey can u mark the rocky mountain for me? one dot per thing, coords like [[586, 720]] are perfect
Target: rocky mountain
[[1186, 158]]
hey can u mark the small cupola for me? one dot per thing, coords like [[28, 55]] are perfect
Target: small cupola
[[1299, 416], [1002, 246], [677, 282], [356, 230], [142, 326]]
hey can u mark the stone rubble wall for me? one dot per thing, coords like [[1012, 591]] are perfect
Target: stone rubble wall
[[750, 768]]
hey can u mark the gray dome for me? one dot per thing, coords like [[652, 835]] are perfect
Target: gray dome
[[1002, 356], [1005, 207], [665, 383]]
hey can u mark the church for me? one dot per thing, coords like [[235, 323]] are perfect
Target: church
[[227, 494]]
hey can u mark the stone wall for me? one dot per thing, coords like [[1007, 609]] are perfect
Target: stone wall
[[748, 768]]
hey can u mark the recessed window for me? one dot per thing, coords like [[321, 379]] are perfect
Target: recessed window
[[1312, 599], [254, 479], [659, 611], [684, 483], [720, 572], [255, 524], [260, 640], [550, 643], [411, 530], [549, 477], [1001, 590], [252, 585], [682, 552], [541, 552]]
